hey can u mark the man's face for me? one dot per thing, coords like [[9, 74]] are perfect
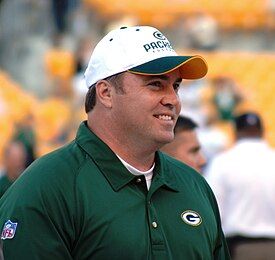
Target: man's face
[[187, 149], [148, 109], [15, 160]]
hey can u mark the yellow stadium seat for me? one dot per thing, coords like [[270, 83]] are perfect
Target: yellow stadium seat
[[51, 116]]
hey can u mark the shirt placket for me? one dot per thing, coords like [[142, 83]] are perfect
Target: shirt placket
[[158, 245], [157, 239]]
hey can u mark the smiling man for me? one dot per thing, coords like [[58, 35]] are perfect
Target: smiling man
[[110, 193]]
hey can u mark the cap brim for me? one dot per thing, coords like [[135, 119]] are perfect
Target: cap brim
[[191, 67]]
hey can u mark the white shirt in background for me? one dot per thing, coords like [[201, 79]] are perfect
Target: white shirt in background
[[243, 180]]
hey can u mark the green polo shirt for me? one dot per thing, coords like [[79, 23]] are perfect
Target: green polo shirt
[[80, 202]]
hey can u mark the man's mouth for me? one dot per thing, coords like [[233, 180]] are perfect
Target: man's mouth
[[164, 117]]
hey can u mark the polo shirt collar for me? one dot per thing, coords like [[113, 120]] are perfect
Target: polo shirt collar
[[113, 169], [164, 175]]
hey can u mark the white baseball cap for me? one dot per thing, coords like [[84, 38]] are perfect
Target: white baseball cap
[[141, 50]]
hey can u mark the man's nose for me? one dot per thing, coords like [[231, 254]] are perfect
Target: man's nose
[[170, 97], [202, 160]]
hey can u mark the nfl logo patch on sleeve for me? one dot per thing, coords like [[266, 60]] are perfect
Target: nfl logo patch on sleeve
[[8, 230]]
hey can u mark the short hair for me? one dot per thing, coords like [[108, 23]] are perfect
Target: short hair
[[184, 124], [90, 100], [249, 124], [248, 120]]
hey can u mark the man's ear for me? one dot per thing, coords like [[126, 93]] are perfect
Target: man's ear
[[104, 93]]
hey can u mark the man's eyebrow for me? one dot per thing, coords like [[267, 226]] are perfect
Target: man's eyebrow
[[178, 80], [163, 77]]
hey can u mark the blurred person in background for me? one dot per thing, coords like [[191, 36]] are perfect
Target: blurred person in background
[[111, 193], [243, 180], [185, 146], [26, 135], [226, 97], [70, 23], [14, 163], [203, 31], [60, 10]]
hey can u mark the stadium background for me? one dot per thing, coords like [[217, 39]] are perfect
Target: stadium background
[[42, 57]]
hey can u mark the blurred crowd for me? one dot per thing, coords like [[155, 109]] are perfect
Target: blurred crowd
[[45, 47]]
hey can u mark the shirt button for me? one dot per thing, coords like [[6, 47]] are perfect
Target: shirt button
[[138, 180], [154, 224]]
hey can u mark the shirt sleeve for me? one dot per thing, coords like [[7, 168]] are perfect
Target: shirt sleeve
[[221, 252], [37, 218]]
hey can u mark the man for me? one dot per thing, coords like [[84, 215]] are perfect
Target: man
[[243, 180], [185, 146], [110, 193], [14, 163]]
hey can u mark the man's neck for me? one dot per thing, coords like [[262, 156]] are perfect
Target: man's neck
[[135, 153]]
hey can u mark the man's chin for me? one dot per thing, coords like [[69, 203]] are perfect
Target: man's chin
[[166, 139]]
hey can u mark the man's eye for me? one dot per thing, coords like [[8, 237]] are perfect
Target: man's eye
[[176, 87], [155, 84]]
